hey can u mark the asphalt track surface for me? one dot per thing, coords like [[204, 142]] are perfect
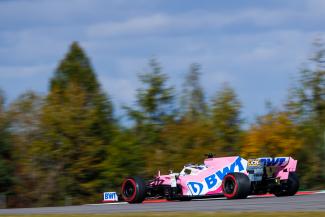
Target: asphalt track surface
[[314, 202]]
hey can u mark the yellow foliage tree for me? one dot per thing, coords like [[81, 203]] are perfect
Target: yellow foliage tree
[[274, 134], [186, 142]]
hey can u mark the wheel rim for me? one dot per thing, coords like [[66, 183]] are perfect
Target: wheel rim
[[229, 186], [129, 189]]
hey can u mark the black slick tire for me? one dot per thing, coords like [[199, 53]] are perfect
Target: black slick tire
[[133, 190], [289, 188], [236, 186]]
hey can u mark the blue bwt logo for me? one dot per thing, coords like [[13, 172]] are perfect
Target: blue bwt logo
[[195, 187], [110, 196], [278, 161], [213, 180]]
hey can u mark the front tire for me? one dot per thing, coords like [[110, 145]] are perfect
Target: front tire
[[236, 186], [134, 190]]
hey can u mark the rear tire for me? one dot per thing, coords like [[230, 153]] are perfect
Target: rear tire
[[134, 190], [289, 188], [236, 186]]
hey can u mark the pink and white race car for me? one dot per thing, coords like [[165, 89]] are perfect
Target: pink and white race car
[[232, 177]]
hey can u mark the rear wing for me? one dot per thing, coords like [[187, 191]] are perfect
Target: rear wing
[[278, 167]]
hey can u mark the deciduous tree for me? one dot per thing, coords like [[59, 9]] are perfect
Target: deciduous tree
[[6, 159], [306, 107]]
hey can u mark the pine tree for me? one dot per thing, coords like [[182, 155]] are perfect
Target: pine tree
[[77, 129], [191, 136], [192, 102], [226, 120], [154, 100], [154, 108]]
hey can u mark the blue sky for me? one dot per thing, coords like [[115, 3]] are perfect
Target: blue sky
[[256, 46]]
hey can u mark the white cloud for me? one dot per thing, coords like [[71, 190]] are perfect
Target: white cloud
[[159, 22], [134, 25], [248, 46], [59, 12]]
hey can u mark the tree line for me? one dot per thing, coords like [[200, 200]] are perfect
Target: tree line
[[67, 147]]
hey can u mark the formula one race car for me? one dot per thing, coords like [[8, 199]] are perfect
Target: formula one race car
[[232, 177]]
